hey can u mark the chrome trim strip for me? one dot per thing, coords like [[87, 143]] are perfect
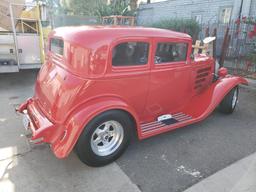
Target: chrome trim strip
[[152, 128], [184, 118], [182, 115], [153, 124]]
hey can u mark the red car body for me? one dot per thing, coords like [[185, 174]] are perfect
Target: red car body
[[71, 89]]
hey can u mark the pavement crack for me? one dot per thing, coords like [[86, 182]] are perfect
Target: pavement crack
[[5, 169], [17, 155]]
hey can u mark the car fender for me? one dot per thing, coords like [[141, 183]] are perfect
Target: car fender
[[82, 115], [202, 105], [223, 87]]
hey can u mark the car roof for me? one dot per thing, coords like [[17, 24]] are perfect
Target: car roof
[[90, 34]]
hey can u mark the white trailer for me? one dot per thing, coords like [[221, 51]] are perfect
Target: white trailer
[[22, 42]]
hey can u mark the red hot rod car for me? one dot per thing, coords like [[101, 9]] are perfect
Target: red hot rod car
[[99, 84]]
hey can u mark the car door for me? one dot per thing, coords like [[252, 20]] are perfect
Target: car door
[[170, 87], [129, 71]]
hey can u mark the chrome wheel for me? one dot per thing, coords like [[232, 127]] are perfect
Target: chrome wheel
[[234, 99], [107, 137]]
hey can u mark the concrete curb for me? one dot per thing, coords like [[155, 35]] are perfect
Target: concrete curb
[[238, 177], [248, 181]]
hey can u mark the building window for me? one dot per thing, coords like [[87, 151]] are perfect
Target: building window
[[171, 52], [130, 54], [225, 14], [197, 16]]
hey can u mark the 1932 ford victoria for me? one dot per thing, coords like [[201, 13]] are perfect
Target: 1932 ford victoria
[[99, 84]]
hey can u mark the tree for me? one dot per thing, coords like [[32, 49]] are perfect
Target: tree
[[189, 26], [102, 8], [116, 7], [54, 6], [85, 7], [133, 4]]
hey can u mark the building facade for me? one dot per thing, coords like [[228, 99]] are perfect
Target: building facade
[[204, 11]]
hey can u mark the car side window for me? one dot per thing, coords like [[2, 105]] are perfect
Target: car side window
[[170, 52], [130, 54], [57, 46]]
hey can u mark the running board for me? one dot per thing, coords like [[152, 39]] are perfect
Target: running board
[[147, 129]]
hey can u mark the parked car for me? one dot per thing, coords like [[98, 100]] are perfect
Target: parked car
[[101, 84]]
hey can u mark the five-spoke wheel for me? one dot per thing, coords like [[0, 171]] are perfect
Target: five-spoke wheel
[[107, 138], [104, 138]]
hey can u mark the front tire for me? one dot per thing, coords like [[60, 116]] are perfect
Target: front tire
[[229, 102], [104, 139]]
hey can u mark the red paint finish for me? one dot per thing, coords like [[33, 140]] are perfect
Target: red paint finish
[[201, 106], [71, 89], [222, 72]]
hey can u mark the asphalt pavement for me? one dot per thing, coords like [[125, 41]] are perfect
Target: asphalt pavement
[[171, 162], [176, 160]]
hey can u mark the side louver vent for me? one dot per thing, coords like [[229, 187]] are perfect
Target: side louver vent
[[201, 77]]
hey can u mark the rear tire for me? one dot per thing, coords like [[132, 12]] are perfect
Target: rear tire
[[104, 138], [229, 102]]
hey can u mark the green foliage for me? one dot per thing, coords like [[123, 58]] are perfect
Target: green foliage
[[252, 57], [117, 7], [84, 7], [54, 6], [100, 8], [189, 26], [249, 20]]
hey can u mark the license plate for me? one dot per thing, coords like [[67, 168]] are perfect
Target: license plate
[[26, 121]]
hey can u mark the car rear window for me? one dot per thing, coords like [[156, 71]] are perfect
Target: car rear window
[[170, 52], [130, 54], [56, 46]]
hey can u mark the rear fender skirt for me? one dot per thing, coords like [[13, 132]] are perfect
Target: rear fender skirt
[[82, 116]]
